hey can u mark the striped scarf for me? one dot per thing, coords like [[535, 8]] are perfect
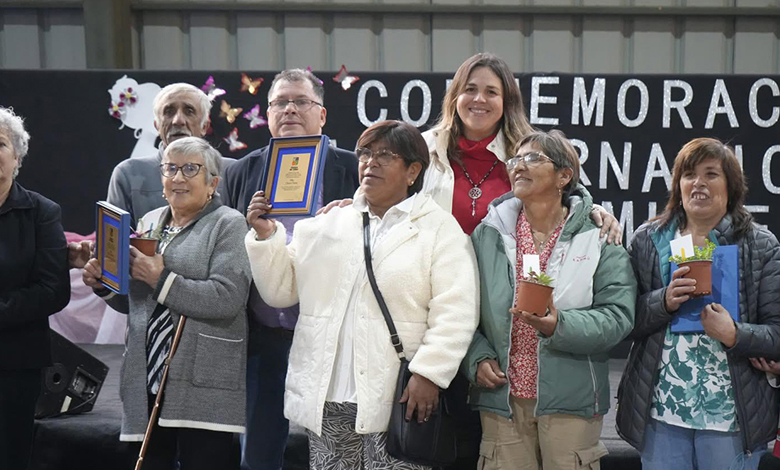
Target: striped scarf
[[159, 335]]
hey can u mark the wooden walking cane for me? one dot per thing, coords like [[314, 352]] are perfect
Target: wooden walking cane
[[158, 399]]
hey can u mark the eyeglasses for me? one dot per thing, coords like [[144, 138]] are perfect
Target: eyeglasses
[[382, 157], [189, 170], [531, 159], [299, 104]]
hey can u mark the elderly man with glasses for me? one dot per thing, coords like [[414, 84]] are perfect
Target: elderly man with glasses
[[180, 110], [295, 108]]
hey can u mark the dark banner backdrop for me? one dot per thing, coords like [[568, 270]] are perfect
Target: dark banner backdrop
[[628, 129]]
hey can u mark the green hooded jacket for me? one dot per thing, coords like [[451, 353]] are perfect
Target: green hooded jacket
[[594, 292]]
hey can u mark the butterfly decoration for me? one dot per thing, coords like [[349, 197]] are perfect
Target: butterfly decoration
[[254, 117], [233, 142], [129, 96], [229, 113], [117, 109], [344, 78], [211, 90], [308, 69], [247, 84]]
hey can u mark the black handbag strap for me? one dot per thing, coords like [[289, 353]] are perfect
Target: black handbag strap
[[394, 338]]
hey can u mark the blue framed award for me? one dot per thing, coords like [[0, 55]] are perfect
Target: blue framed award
[[113, 246], [292, 178]]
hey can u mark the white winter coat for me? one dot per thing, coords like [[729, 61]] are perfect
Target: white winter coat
[[426, 270]]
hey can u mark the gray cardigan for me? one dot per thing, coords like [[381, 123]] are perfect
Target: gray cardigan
[[206, 278]]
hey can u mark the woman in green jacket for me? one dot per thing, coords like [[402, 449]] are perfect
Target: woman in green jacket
[[541, 382]]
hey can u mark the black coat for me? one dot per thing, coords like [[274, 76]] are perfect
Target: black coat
[[242, 179], [34, 278], [758, 334]]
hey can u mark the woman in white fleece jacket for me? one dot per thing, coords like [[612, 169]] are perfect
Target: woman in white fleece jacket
[[343, 368]]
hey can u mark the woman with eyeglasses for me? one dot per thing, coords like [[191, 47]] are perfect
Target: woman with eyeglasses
[[200, 271], [541, 383], [343, 367]]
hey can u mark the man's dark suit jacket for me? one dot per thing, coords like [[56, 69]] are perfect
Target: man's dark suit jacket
[[242, 179]]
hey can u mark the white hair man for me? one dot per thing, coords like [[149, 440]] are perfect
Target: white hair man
[[180, 110]]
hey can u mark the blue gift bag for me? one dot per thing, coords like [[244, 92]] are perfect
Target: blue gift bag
[[725, 291]]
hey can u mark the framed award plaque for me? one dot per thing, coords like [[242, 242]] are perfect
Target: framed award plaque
[[113, 246], [292, 178]]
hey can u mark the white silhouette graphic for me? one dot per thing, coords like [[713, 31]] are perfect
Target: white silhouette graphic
[[131, 103]]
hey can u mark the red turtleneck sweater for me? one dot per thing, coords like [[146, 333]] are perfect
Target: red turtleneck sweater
[[477, 160]]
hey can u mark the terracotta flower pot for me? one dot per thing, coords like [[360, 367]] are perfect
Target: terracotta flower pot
[[147, 246], [702, 272], [533, 297]]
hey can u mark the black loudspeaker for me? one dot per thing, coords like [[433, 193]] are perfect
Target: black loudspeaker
[[71, 385]]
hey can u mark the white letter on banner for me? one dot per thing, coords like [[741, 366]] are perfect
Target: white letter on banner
[[656, 160], [720, 93], [583, 148], [678, 105], [626, 217], [753, 103], [580, 102], [426, 95], [652, 210], [644, 99], [758, 210], [766, 166], [536, 100], [738, 154], [361, 102], [608, 155]]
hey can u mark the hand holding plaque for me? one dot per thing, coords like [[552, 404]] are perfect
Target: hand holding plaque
[[258, 207], [292, 179]]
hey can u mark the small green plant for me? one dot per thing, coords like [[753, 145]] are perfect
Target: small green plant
[[541, 278], [700, 253], [139, 232]]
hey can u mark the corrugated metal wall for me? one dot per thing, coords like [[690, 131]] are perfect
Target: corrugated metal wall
[[254, 40], [40, 39]]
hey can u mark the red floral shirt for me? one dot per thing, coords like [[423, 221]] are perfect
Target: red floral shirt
[[523, 364]]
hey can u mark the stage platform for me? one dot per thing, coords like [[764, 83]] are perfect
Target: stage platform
[[90, 441]]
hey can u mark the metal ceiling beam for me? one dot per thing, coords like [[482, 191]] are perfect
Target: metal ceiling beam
[[41, 4], [483, 9]]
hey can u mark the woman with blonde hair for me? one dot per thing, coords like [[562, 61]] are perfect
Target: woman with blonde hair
[[482, 120]]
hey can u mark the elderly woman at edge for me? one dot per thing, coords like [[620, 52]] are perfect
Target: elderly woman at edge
[[34, 283], [343, 368], [693, 400], [200, 271], [541, 383]]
